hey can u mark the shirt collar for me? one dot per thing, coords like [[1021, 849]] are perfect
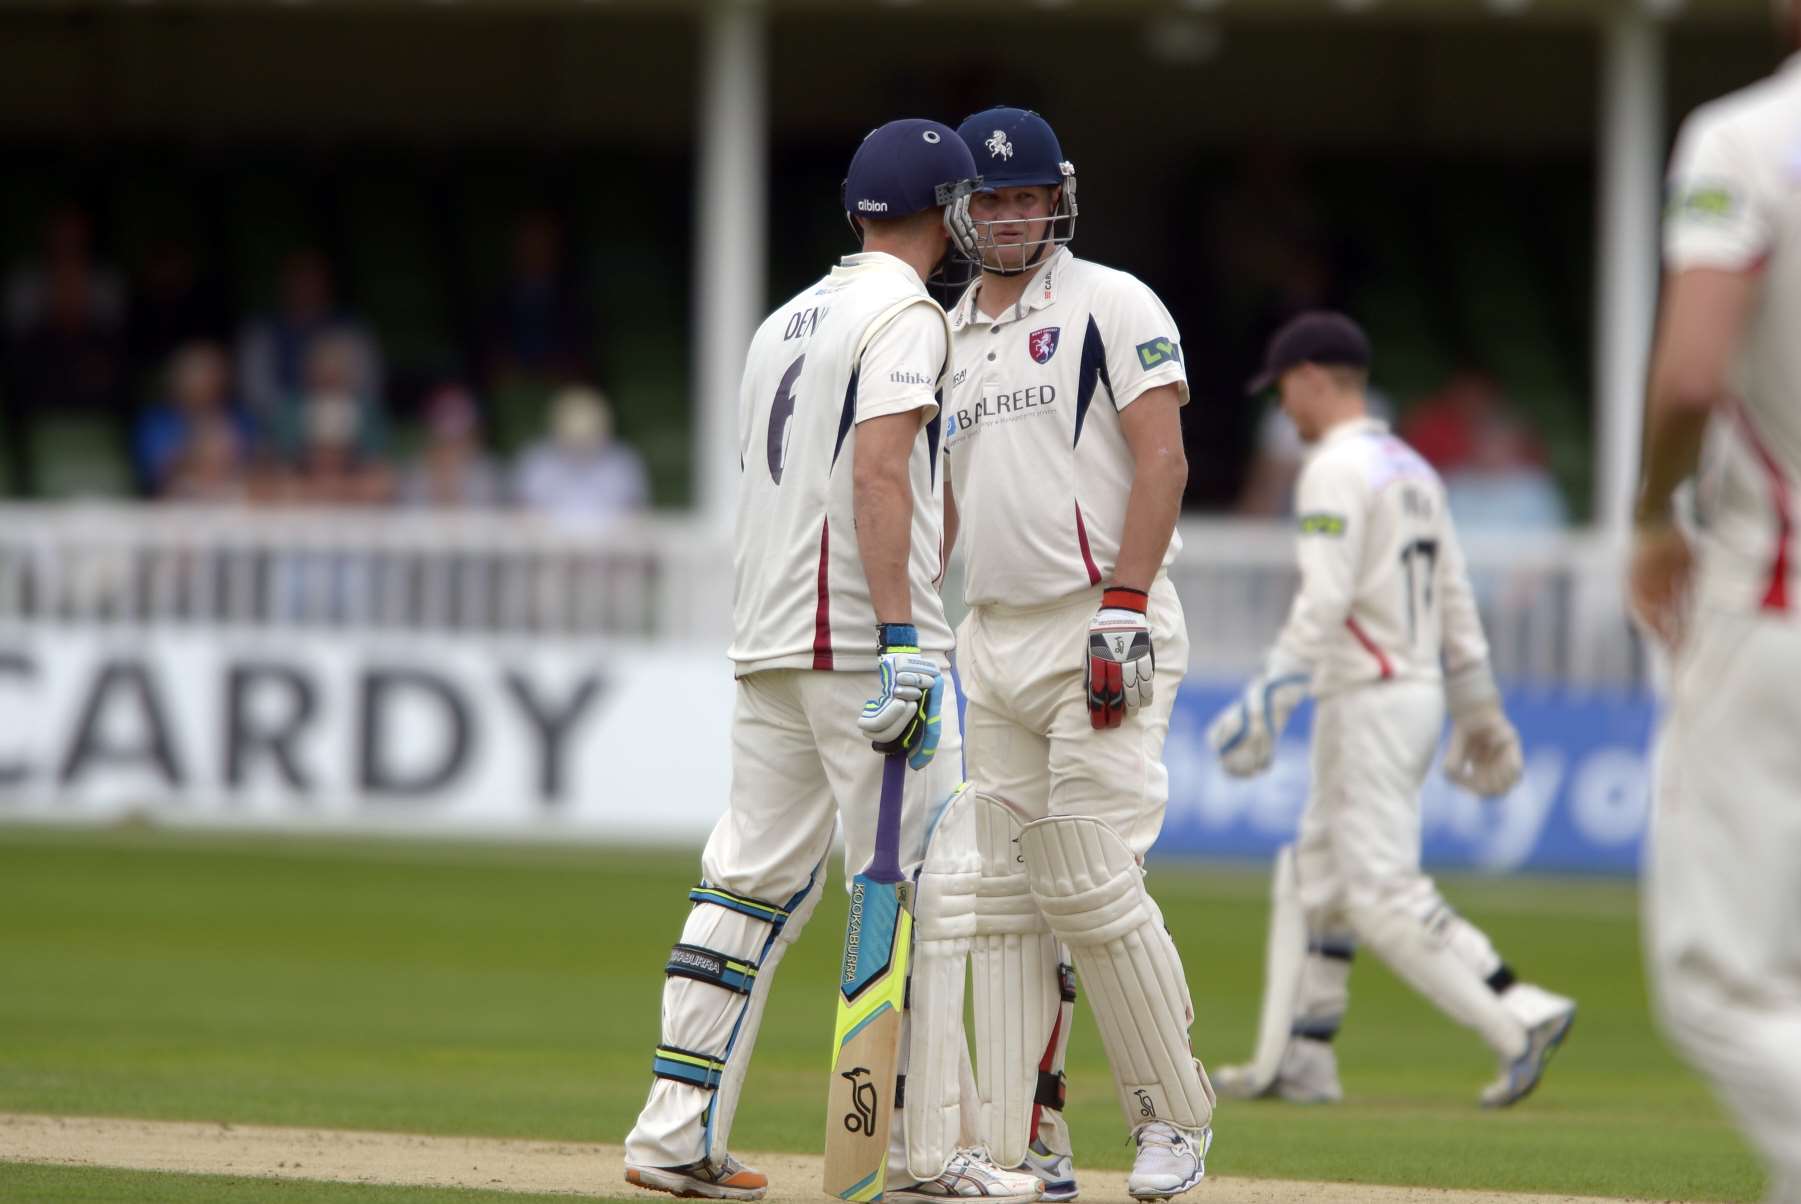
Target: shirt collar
[[1353, 426], [862, 261], [1042, 291]]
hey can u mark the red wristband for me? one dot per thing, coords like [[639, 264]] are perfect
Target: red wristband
[[1124, 597]]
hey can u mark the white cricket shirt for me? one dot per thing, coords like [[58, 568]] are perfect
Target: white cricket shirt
[[1384, 590], [865, 341], [1038, 463], [1735, 204]]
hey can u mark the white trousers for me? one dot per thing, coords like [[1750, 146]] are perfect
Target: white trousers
[[1030, 742], [1722, 899], [800, 766], [1359, 842], [1357, 862]]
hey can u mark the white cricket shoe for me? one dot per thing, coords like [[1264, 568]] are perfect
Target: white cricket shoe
[[972, 1175], [1057, 1172], [1308, 1075], [1548, 1019], [730, 1180], [1169, 1162]]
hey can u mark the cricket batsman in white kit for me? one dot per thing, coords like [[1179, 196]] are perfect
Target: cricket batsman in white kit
[[1064, 442], [838, 555], [1722, 898], [1384, 635]]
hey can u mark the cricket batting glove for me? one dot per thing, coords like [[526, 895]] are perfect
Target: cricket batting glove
[[1244, 734], [1484, 753], [1121, 661], [904, 714]]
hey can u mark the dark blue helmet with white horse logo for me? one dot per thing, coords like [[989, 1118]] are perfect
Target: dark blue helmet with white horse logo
[[1016, 148]]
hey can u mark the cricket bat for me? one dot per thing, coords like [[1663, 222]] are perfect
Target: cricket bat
[[872, 994]]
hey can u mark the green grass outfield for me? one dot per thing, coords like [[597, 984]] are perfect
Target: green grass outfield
[[513, 992]]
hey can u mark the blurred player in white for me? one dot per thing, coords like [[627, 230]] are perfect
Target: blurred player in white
[[1723, 878], [1064, 442], [1384, 635], [837, 561]]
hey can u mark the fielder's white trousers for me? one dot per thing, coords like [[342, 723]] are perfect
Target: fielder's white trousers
[[800, 765], [1359, 841], [1030, 742], [1722, 899]]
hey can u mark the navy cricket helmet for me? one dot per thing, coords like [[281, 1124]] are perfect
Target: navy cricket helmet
[[909, 166], [1016, 148]]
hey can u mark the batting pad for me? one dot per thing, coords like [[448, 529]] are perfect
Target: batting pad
[[944, 925], [1091, 890], [1014, 959], [1283, 952], [717, 985]]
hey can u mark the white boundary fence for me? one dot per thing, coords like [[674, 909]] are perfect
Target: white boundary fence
[[1552, 605], [498, 675]]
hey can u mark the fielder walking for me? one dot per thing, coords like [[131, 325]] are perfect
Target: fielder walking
[[1723, 877], [837, 566], [1064, 444], [1384, 635]]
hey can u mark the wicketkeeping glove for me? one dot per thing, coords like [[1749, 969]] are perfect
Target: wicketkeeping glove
[[1484, 753], [904, 714], [1244, 734], [1121, 661]]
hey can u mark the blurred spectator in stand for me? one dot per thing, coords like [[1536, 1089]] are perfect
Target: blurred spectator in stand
[[67, 358], [581, 474], [1444, 426], [213, 464], [275, 351], [540, 328], [1502, 484], [334, 469], [67, 248], [335, 370], [172, 304], [197, 394], [453, 468]]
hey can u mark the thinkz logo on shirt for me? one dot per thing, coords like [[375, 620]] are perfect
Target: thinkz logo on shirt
[[1158, 351], [1322, 524]]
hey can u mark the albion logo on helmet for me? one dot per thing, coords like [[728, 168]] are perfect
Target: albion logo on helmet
[[998, 146], [868, 206]]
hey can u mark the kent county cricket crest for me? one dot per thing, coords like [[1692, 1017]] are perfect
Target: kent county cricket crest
[[998, 146], [1043, 343]]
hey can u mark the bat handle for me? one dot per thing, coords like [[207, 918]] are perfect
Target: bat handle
[[884, 866]]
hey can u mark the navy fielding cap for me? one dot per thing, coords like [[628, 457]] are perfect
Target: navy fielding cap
[[1318, 336], [905, 167], [1013, 148]]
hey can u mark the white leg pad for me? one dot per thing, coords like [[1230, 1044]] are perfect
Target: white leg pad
[[1283, 953], [1014, 975], [718, 984], [944, 928], [1090, 887]]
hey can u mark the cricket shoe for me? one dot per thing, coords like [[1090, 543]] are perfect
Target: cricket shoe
[[972, 1175], [1169, 1162], [731, 1180], [1308, 1075], [1543, 1035], [1057, 1172]]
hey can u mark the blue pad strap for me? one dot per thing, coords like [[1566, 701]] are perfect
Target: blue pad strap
[[712, 967], [756, 909], [686, 1066]]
